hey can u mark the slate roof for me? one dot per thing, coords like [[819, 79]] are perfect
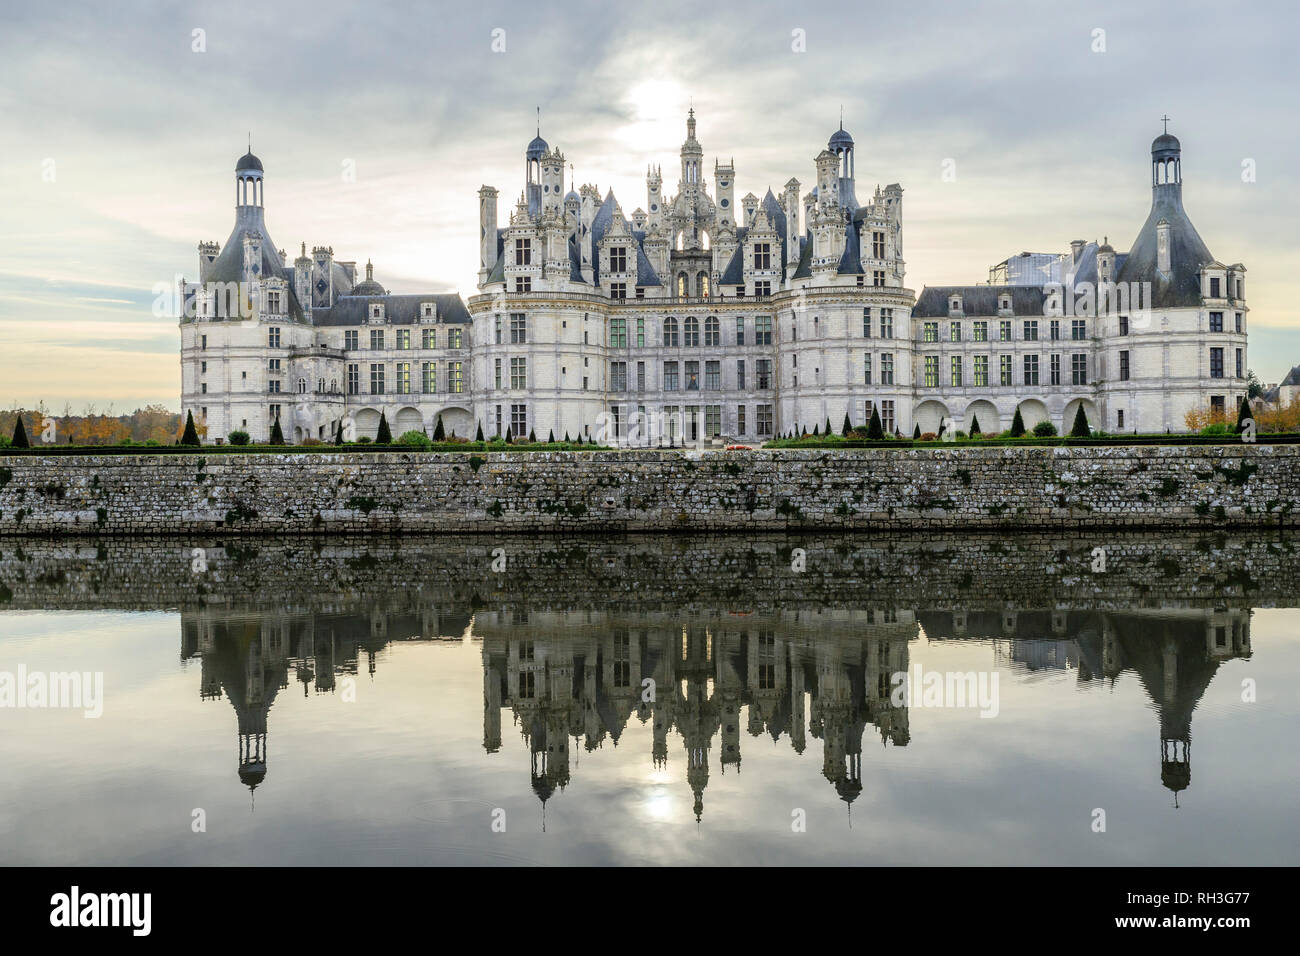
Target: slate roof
[[1187, 252], [398, 309], [979, 300]]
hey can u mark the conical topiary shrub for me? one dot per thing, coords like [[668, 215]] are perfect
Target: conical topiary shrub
[[439, 433], [277, 436], [510, 438], [532, 436], [875, 431], [1080, 427], [478, 435], [1017, 425], [550, 437], [385, 434], [1244, 414], [20, 435], [847, 427], [191, 435], [974, 426], [338, 433], [916, 433]]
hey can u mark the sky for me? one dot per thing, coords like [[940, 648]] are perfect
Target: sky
[[377, 124]]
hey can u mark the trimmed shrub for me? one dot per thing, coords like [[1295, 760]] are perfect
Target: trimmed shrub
[[1244, 414], [550, 437], [478, 435], [438, 433], [238, 438], [277, 436], [1080, 427], [415, 440], [916, 433], [510, 438], [848, 426], [928, 436], [974, 426], [875, 431], [1044, 429], [1017, 425], [385, 434], [191, 435]]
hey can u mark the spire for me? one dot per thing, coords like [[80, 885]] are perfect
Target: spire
[[370, 271]]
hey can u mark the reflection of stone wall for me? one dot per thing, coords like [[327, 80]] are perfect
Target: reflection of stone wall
[[648, 574], [875, 489]]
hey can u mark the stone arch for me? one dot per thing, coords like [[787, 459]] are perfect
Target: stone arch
[[1032, 411], [367, 423], [456, 419], [987, 413], [1089, 411], [930, 414], [407, 419]]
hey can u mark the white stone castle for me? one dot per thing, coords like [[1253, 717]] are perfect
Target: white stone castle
[[693, 320]]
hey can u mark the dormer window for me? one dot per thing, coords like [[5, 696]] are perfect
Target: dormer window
[[377, 312], [523, 252], [1005, 303], [1214, 287], [427, 311], [954, 304], [762, 255], [618, 258]]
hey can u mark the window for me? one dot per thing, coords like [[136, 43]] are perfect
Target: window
[[712, 421], [740, 419], [523, 252], [713, 375], [273, 338], [403, 378], [273, 365], [1216, 363], [429, 377], [670, 332], [455, 377], [1078, 329], [1031, 330], [762, 255], [1056, 370], [887, 416], [1123, 366], [354, 379], [640, 376], [523, 283], [693, 376], [618, 376], [376, 379], [763, 374], [1004, 369], [203, 342], [712, 332], [981, 370], [498, 330], [887, 368], [376, 339], [878, 278], [519, 373], [428, 338], [519, 420], [275, 412], [763, 330], [453, 338], [1031, 369], [403, 338], [1216, 321], [1123, 325], [618, 290], [1217, 405], [980, 332], [740, 330], [877, 245], [886, 323], [618, 333], [866, 323], [1121, 419], [740, 373], [691, 332], [932, 371], [203, 388], [763, 421], [1079, 368], [1214, 288], [930, 332], [273, 303], [1240, 364], [670, 376], [763, 288], [350, 339], [1056, 329], [956, 371], [496, 367], [518, 328], [954, 331], [1004, 330], [866, 369], [618, 258], [1239, 318]]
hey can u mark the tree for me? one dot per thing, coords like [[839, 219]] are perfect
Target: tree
[[815, 427], [566, 438], [439, 433], [385, 434], [532, 436], [828, 431], [1254, 388], [1243, 414], [974, 426], [848, 426], [916, 432], [510, 438], [191, 437], [1080, 427], [338, 433], [478, 435], [1018, 425], [874, 429], [20, 435], [550, 438], [277, 436]]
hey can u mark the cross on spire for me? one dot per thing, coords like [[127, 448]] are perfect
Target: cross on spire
[[1165, 119]]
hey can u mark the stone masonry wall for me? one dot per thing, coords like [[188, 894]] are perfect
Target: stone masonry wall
[[1208, 487]]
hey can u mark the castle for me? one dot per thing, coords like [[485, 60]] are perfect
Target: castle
[[692, 320]]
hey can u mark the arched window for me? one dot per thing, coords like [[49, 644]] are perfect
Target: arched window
[[302, 386], [681, 285], [320, 385], [670, 332], [712, 332], [692, 336], [703, 283]]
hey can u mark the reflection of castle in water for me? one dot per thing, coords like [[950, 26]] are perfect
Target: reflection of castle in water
[[576, 678]]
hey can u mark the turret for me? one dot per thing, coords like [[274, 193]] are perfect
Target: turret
[[487, 221], [725, 177]]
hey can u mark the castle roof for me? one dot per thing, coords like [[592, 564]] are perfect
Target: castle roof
[[1026, 300]]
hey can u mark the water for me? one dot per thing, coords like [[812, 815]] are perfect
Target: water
[[335, 701]]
